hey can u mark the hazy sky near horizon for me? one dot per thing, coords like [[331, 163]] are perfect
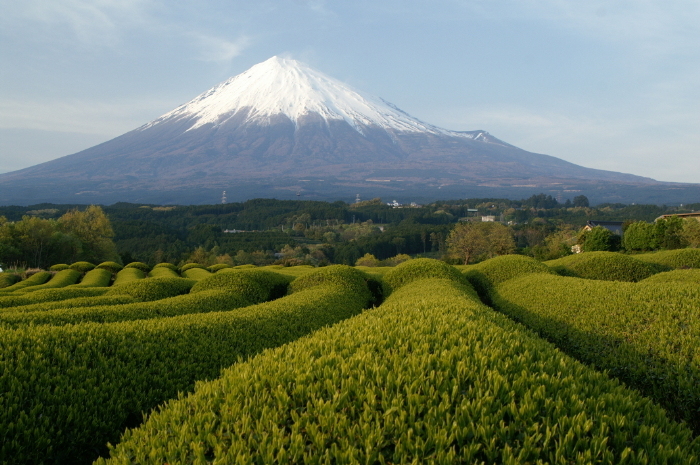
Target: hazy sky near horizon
[[605, 84]]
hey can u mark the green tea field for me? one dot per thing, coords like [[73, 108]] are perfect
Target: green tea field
[[593, 358]]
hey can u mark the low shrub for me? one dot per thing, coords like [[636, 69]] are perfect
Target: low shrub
[[189, 266], [34, 280], [169, 266], [61, 300], [419, 268], [196, 273], [99, 277], [147, 290], [8, 279], [128, 275], [82, 267], [48, 295], [163, 272], [90, 381], [679, 258], [606, 266], [675, 276], [112, 267], [139, 266], [59, 267], [218, 266], [60, 279], [647, 334], [483, 276], [432, 376]]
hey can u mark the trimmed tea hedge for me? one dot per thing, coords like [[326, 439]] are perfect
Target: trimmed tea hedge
[[420, 268], [218, 266], [112, 267], [128, 275], [163, 272], [68, 390], [167, 265], [99, 277], [606, 266], [83, 267], [69, 304], [8, 279], [240, 290], [34, 280], [49, 295], [680, 258], [139, 266], [59, 267], [196, 273], [682, 276], [431, 376], [61, 279], [483, 276], [646, 334], [147, 290]]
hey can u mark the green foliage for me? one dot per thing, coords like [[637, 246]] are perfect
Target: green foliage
[[679, 258], [89, 381], [139, 266], [255, 285], [169, 266], [367, 260], [59, 267], [639, 236], [61, 296], [147, 290], [483, 276], [82, 267], [163, 272], [112, 267], [607, 266], [34, 280], [218, 267], [417, 269], [475, 241], [69, 303], [99, 277], [646, 334], [61, 279], [189, 266], [668, 233], [599, 239], [682, 276], [432, 376], [8, 279], [196, 273], [128, 275]]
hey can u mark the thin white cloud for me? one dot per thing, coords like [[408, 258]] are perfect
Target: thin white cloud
[[220, 50]]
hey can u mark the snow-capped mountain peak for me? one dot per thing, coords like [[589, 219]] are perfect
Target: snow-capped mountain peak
[[289, 87]]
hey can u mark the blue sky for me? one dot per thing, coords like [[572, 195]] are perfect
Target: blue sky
[[605, 84]]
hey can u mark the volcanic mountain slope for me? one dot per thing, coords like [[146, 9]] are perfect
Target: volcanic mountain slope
[[277, 123]]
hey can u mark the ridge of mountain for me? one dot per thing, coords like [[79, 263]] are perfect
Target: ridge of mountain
[[282, 128]]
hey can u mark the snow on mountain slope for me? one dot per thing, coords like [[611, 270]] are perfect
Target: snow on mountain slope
[[285, 86]]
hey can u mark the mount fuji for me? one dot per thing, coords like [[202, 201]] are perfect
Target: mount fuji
[[284, 130]]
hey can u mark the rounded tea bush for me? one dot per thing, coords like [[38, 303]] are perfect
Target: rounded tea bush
[[112, 267], [483, 276], [339, 275], [150, 289], [420, 268], [189, 266], [8, 279], [59, 267], [169, 266], [605, 266], [675, 276], [139, 266], [218, 266], [83, 267], [253, 285], [679, 258]]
